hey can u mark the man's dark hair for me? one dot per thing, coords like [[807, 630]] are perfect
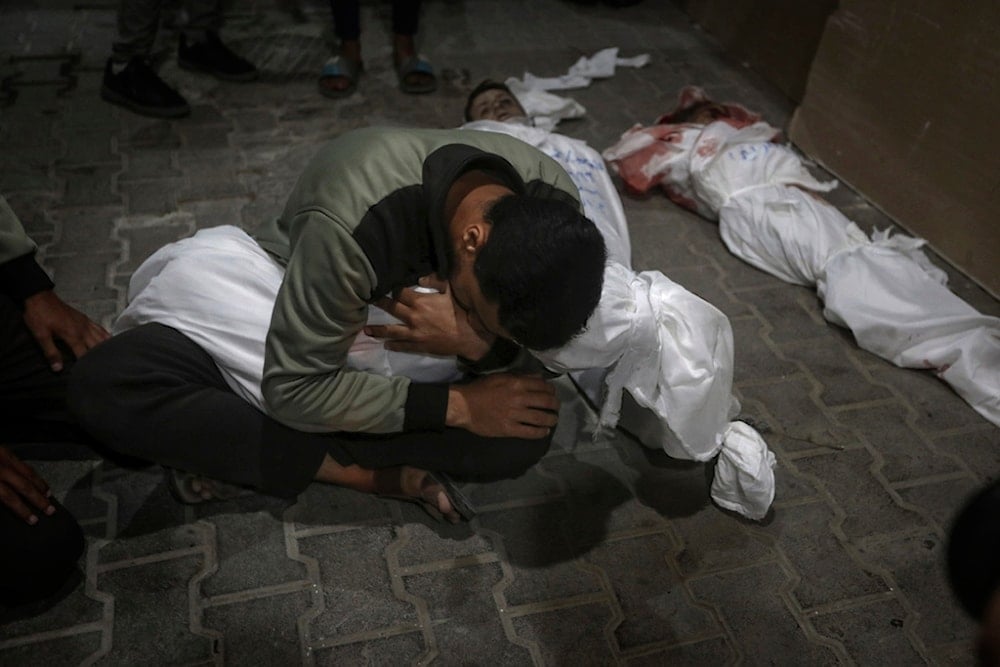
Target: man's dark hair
[[543, 265], [486, 84]]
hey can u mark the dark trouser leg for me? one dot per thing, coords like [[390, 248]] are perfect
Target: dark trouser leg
[[204, 16], [153, 394], [346, 19], [138, 21], [36, 561], [454, 451], [405, 17]]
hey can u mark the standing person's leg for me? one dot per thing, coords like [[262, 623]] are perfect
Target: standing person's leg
[[201, 50], [339, 77], [129, 80], [416, 75], [138, 21]]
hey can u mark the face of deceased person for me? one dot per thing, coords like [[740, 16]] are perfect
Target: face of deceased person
[[495, 104]]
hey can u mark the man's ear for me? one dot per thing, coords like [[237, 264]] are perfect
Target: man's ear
[[473, 237]]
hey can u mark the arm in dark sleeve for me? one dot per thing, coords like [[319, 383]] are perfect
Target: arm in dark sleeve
[[20, 274]]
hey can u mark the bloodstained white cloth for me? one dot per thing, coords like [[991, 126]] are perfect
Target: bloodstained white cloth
[[884, 290]]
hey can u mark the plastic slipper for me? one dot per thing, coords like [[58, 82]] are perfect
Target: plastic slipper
[[459, 502], [182, 486], [339, 66], [416, 65]]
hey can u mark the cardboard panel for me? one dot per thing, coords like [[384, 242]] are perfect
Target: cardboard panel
[[902, 103]]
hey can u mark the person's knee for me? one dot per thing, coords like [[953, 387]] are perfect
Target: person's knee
[[511, 457]]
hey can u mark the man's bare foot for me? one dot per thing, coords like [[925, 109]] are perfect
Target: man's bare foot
[[414, 484]]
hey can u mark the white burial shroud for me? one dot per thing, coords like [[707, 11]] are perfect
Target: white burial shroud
[[883, 289], [672, 351]]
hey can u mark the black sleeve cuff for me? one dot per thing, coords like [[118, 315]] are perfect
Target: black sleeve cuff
[[21, 277], [426, 407], [503, 353]]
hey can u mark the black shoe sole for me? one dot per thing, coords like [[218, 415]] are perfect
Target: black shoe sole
[[111, 96], [192, 66]]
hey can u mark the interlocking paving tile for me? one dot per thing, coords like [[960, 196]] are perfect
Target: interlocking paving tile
[[795, 420], [754, 357], [750, 604], [74, 649], [916, 562], [148, 164], [358, 593], [322, 505], [711, 541], [401, 649], [873, 634], [258, 631], [90, 185], [153, 612], [715, 651], [655, 606], [868, 507], [460, 605], [979, 448], [941, 500], [831, 364], [906, 454], [249, 553], [84, 231], [936, 405], [573, 635], [828, 572], [540, 570]]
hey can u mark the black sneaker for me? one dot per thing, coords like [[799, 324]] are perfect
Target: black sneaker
[[138, 88], [215, 58]]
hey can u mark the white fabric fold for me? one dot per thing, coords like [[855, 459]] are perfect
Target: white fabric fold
[[601, 65], [744, 472], [218, 288], [547, 109], [673, 352]]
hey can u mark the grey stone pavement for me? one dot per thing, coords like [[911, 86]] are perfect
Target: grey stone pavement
[[606, 552]]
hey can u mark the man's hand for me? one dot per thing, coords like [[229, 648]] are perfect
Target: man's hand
[[21, 485], [432, 323], [503, 405], [48, 318]]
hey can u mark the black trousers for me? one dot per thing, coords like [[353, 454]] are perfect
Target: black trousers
[[347, 17], [152, 393], [35, 561]]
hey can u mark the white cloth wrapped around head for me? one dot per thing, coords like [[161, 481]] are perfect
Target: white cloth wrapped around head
[[673, 352]]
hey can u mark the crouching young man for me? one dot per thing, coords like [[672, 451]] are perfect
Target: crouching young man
[[489, 220]]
